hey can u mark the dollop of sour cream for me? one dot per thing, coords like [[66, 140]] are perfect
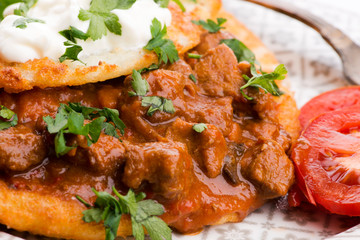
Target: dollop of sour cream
[[39, 40]]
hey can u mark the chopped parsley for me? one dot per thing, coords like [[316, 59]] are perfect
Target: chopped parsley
[[143, 213], [157, 104], [141, 87], [194, 55], [22, 10], [72, 50], [7, 118], [164, 48], [22, 22], [70, 119], [210, 25], [193, 78], [102, 19], [200, 127], [265, 81], [241, 51]]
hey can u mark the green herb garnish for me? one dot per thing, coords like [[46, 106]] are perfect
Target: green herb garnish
[[4, 4], [193, 78], [102, 19], [22, 22], [70, 119], [24, 7], [164, 48], [110, 209], [193, 55], [265, 81], [140, 85], [200, 127], [72, 50], [7, 118], [210, 25], [157, 104], [241, 51]]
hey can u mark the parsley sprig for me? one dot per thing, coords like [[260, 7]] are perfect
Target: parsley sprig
[[102, 19], [155, 103], [109, 209], [7, 118], [210, 25], [70, 119], [163, 47], [265, 81], [73, 49]]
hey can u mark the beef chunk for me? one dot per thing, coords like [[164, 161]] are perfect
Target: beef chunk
[[269, 168], [20, 148], [211, 40], [167, 166], [218, 72], [208, 148], [105, 156]]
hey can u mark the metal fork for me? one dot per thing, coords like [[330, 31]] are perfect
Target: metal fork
[[348, 50]]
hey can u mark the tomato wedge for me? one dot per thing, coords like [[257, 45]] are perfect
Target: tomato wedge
[[329, 101], [327, 161]]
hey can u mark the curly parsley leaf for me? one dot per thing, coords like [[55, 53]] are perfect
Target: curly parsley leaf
[[110, 209], [164, 48], [210, 25], [102, 19], [7, 118], [157, 104], [70, 119], [140, 85], [200, 127]]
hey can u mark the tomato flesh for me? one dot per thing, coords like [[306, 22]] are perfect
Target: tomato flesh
[[327, 161], [329, 101]]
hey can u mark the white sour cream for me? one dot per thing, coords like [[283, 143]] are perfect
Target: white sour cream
[[40, 40]]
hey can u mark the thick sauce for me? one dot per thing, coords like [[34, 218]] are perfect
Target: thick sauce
[[232, 167]]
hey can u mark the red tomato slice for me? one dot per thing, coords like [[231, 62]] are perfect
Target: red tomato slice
[[327, 161], [329, 101]]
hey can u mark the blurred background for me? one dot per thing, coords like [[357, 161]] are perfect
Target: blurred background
[[313, 66]]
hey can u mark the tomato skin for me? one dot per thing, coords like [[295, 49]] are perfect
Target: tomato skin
[[328, 133], [329, 101]]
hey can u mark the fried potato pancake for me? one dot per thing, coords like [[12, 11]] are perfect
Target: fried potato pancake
[[56, 217], [42, 73]]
